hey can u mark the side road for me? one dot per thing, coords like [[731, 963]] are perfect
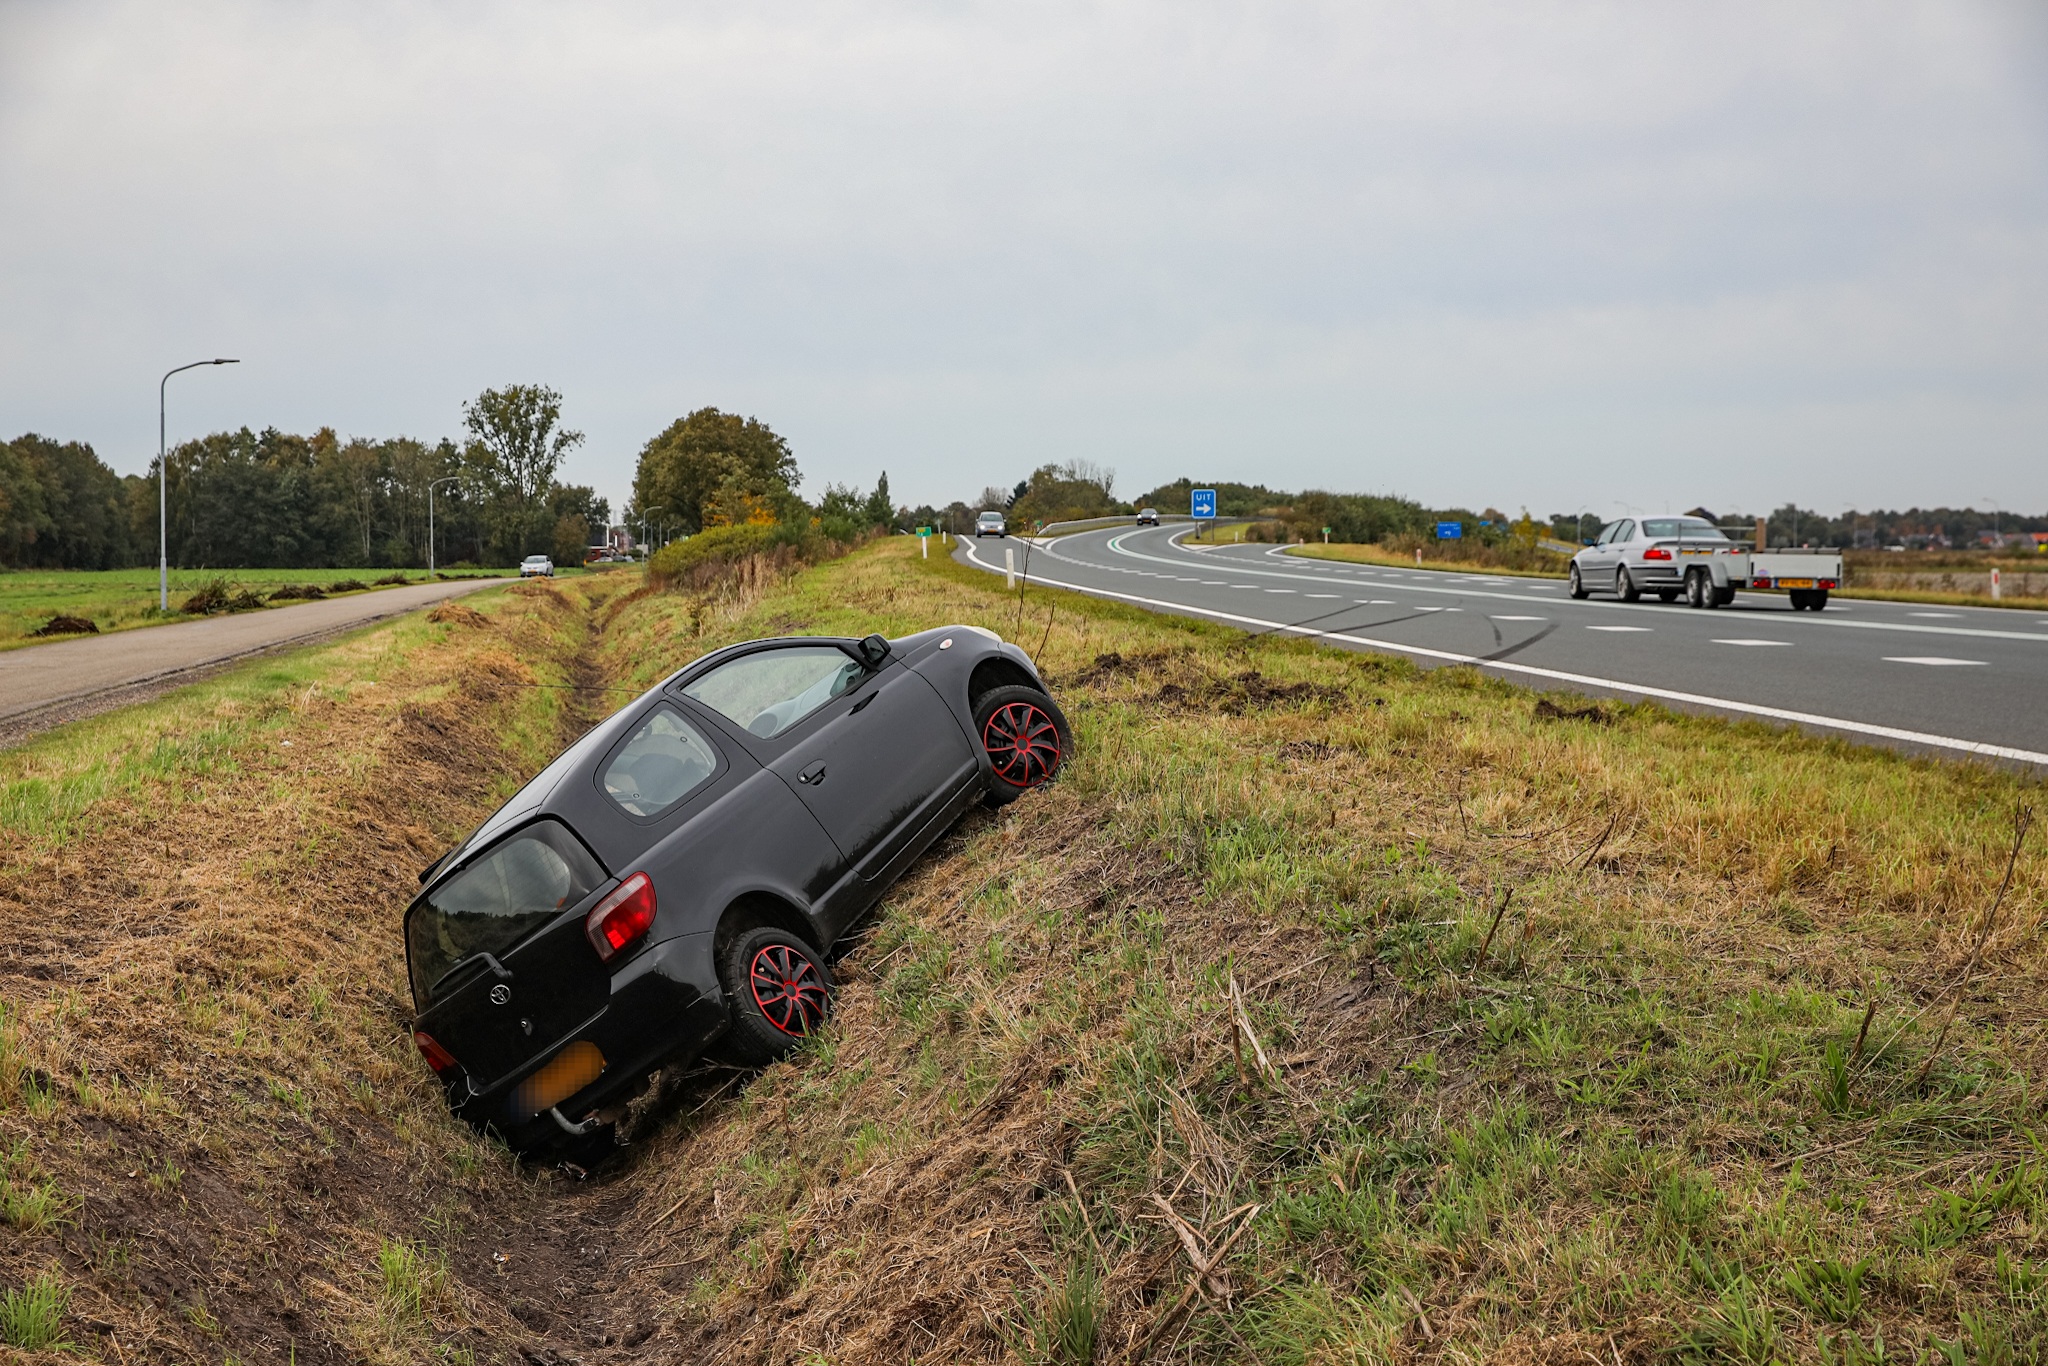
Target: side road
[[42, 685]]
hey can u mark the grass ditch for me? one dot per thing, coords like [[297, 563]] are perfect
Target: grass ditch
[[1326, 1010], [1333, 1010], [216, 1141]]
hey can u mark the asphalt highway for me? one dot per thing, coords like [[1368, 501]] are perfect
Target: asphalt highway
[[1939, 679]]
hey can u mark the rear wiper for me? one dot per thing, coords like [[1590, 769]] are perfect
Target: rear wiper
[[497, 969]]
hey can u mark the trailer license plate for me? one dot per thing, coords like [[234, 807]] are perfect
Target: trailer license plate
[[1795, 583]]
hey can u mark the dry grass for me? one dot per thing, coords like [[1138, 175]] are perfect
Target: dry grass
[[205, 1068], [1634, 1129], [1552, 1038]]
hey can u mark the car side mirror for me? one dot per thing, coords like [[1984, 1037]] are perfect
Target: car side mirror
[[874, 650]]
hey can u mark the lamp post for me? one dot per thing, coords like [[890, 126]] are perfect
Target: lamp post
[[451, 479], [163, 498]]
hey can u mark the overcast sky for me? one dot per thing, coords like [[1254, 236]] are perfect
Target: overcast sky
[[1539, 254]]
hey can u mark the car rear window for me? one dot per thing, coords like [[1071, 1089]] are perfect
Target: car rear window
[[500, 898], [1689, 528], [665, 761]]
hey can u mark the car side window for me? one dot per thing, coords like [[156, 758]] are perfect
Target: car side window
[[664, 761], [1606, 533], [1625, 530], [769, 691]]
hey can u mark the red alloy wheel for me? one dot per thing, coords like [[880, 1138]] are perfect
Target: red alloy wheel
[[788, 990], [1023, 744]]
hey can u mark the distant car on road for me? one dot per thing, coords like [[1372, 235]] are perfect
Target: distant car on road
[[674, 882], [990, 524], [1148, 517], [1668, 556], [536, 565]]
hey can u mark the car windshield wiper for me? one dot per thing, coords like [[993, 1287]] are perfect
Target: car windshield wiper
[[490, 961]]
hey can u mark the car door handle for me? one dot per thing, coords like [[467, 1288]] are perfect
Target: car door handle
[[813, 775], [863, 702]]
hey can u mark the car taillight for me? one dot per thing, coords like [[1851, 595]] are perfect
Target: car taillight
[[438, 1058], [1656, 552], [1827, 583], [617, 922]]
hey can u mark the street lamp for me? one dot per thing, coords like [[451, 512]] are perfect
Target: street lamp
[[451, 479], [163, 500]]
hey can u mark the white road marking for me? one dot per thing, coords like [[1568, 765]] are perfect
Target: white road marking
[[1376, 602], [1322, 595], [1521, 618], [1950, 615], [1433, 583], [1914, 737], [1936, 660], [1752, 642], [1621, 628], [1279, 590]]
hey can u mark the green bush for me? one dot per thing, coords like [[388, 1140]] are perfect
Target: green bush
[[719, 543]]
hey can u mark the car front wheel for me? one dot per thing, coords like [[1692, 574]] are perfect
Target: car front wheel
[[779, 991], [1578, 585], [1027, 739]]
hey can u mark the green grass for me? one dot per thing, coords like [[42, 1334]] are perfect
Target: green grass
[[181, 747], [32, 1315], [120, 599], [1641, 1119]]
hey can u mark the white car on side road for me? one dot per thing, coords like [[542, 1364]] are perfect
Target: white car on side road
[[539, 566], [990, 524], [1668, 556]]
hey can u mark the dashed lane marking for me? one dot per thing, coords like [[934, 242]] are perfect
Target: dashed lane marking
[[1912, 737]]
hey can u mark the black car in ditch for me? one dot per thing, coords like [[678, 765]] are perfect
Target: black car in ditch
[[674, 881]]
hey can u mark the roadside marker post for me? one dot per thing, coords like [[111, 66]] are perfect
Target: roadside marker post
[[924, 542], [1009, 566], [1994, 583]]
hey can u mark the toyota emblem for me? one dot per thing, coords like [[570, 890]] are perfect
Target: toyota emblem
[[500, 994]]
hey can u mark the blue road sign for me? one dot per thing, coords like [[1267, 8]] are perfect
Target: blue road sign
[[1202, 503], [1450, 531]]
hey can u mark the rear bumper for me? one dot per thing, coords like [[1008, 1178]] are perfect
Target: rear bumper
[[665, 1005]]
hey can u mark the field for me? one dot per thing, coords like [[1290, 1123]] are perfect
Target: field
[[1440, 1021], [118, 599]]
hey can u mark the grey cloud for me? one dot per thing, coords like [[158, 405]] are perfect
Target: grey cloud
[[1514, 253]]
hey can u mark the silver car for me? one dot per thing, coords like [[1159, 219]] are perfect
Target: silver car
[[990, 524], [1639, 555]]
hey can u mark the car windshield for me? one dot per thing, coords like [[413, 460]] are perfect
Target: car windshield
[[991, 516], [771, 690], [1686, 528], [496, 901], [536, 559]]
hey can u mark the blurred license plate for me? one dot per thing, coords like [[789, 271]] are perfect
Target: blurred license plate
[[1795, 583]]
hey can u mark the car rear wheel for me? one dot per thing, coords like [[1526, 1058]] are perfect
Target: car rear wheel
[[1625, 586], [1577, 585], [778, 990], [1027, 739]]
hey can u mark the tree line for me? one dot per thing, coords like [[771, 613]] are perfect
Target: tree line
[[273, 499]]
